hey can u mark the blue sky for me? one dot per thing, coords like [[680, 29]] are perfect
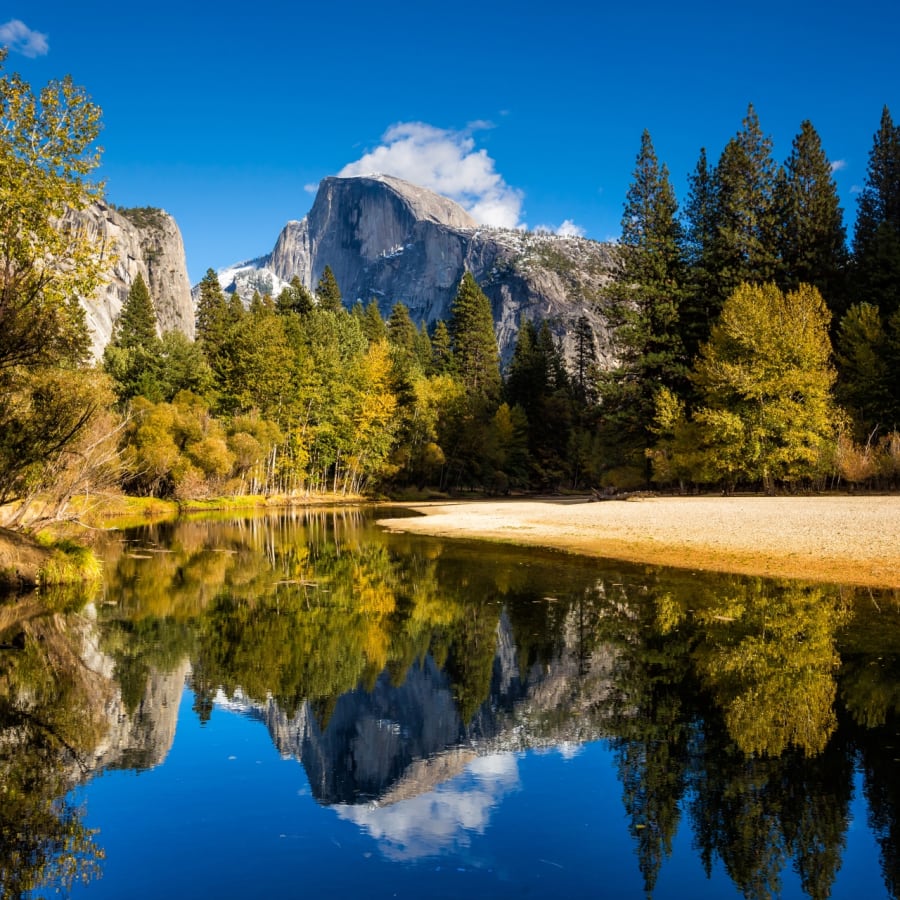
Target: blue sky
[[227, 115]]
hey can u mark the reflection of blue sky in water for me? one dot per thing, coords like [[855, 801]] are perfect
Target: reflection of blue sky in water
[[443, 819]]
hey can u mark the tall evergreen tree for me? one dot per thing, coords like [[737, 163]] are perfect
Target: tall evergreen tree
[[212, 313], [863, 373], [876, 241], [651, 283], [441, 350], [401, 332], [373, 324], [702, 303], [475, 351], [584, 376], [811, 237], [328, 293], [647, 296], [295, 298], [744, 247], [136, 323], [133, 357]]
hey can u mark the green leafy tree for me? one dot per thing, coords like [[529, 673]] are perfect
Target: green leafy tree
[[402, 333], [328, 294], [183, 367], [876, 241], [765, 412], [811, 237], [47, 261]]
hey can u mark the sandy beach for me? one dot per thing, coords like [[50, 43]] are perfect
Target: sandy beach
[[853, 540]]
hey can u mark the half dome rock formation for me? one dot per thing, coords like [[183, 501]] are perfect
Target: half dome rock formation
[[392, 241], [142, 241]]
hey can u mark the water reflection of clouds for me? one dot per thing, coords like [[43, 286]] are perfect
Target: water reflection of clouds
[[442, 819]]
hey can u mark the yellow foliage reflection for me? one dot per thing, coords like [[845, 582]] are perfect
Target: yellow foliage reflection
[[768, 656]]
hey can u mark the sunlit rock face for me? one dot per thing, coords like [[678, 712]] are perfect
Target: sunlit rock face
[[388, 240], [142, 241]]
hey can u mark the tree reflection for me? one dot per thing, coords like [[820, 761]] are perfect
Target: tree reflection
[[768, 656], [49, 719], [720, 697]]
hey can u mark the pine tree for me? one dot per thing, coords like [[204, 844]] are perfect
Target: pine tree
[[862, 356], [401, 332], [744, 249], [811, 237], [650, 286], [648, 293], [583, 378], [876, 242], [133, 357], [702, 303], [328, 293], [136, 323], [373, 324], [441, 350], [212, 313], [295, 298], [475, 351]]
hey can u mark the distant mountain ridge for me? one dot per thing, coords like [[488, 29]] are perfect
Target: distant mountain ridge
[[389, 240]]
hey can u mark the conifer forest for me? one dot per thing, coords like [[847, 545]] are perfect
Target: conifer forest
[[757, 347]]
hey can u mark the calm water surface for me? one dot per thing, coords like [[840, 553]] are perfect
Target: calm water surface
[[294, 705]]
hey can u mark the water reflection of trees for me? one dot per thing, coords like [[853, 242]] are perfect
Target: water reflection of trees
[[49, 703], [719, 697]]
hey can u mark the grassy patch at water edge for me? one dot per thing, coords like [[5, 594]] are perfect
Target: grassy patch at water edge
[[68, 563]]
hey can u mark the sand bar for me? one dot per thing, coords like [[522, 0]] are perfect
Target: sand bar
[[852, 540]]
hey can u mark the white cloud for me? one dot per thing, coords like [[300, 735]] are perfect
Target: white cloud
[[447, 162], [311, 188], [855, 189], [16, 35], [567, 229], [442, 819], [838, 164], [570, 229]]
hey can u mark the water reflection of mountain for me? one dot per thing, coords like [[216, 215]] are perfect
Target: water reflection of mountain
[[137, 736], [399, 740]]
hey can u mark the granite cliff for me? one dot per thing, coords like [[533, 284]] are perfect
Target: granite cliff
[[389, 240], [145, 241]]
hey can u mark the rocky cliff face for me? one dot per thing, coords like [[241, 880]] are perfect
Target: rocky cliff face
[[388, 240], [145, 241]]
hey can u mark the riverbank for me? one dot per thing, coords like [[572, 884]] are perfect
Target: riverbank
[[839, 539]]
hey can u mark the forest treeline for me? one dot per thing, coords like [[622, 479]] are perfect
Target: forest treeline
[[754, 349]]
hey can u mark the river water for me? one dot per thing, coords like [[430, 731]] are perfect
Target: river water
[[284, 706]]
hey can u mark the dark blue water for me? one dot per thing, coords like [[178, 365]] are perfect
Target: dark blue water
[[301, 706]]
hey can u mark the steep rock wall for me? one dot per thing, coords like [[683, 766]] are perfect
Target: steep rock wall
[[390, 241], [139, 241]]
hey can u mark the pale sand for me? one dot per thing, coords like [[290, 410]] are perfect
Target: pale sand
[[853, 540]]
